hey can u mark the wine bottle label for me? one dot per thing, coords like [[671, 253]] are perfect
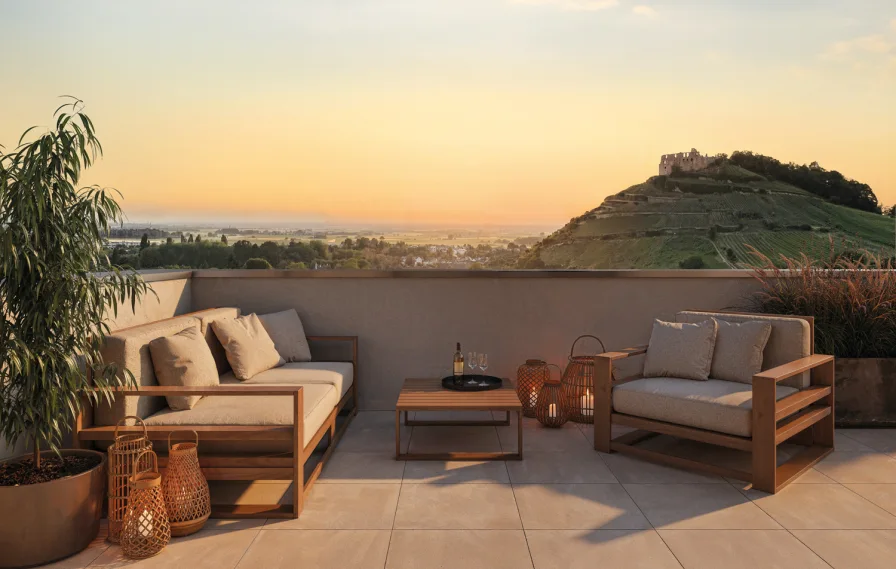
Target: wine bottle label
[[458, 368]]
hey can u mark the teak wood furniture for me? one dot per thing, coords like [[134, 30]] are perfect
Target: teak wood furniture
[[248, 465], [805, 417], [429, 395]]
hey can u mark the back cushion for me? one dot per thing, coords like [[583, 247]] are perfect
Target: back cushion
[[791, 339], [206, 317], [129, 348]]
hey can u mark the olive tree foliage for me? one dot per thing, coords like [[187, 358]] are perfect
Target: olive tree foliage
[[54, 304]]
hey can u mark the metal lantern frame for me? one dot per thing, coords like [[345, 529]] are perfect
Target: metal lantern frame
[[578, 383], [529, 378], [185, 488], [145, 530], [550, 409], [124, 454]]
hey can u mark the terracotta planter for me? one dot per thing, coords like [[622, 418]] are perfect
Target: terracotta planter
[[865, 394], [41, 523]]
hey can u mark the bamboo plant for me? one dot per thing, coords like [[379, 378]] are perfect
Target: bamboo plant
[[58, 288]]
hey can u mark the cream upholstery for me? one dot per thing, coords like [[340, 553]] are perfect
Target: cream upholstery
[[206, 317], [286, 330], [249, 347], [183, 359], [337, 374], [680, 350], [791, 339], [739, 347], [715, 405]]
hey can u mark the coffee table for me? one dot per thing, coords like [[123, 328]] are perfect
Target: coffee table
[[429, 395]]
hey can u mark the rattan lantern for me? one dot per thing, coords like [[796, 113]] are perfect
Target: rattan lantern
[[145, 530], [549, 409], [578, 384], [185, 489], [123, 453], [529, 378]]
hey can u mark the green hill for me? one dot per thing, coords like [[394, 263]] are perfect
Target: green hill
[[715, 214]]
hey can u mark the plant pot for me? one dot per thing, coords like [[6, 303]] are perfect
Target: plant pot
[[42, 523], [865, 392]]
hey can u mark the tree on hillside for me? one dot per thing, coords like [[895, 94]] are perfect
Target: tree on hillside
[[169, 240], [224, 239], [190, 239], [198, 238], [257, 263], [144, 241], [183, 238], [692, 262]]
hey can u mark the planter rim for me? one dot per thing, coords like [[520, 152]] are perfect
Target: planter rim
[[71, 451]]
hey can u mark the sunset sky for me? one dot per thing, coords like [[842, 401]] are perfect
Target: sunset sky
[[448, 112]]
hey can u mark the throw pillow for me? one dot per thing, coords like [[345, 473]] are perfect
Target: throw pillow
[[248, 346], [739, 348], [286, 330], [680, 350], [183, 359]]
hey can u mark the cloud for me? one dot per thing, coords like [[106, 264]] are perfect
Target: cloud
[[645, 11], [572, 5], [862, 47]]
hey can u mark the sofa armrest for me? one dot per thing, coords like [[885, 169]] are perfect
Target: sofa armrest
[[623, 353], [790, 369], [162, 390]]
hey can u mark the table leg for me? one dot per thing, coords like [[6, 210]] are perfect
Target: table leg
[[398, 434]]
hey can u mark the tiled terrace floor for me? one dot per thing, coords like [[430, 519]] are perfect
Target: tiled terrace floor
[[563, 507]]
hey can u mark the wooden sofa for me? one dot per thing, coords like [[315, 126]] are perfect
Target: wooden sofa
[[270, 427], [791, 399]]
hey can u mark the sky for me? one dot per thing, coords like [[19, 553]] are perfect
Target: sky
[[456, 112]]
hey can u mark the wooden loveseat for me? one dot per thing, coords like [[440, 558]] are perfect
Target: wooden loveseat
[[270, 427]]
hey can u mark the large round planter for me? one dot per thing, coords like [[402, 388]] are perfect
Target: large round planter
[[41, 523], [865, 392]]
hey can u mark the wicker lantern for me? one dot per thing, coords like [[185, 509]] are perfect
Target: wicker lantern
[[578, 382], [145, 530], [123, 453], [549, 409], [529, 378], [185, 489]]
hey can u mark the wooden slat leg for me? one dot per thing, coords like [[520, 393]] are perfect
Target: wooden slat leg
[[764, 447], [603, 403], [823, 431], [298, 439], [398, 433]]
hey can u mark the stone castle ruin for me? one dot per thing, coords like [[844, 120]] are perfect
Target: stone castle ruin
[[686, 161]]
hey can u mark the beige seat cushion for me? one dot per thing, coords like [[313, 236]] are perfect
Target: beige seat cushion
[[738, 352], [318, 399], [337, 374], [183, 359], [249, 348], [206, 317], [715, 405], [680, 350], [286, 330]]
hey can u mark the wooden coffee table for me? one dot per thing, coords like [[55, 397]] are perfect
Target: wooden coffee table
[[429, 395]]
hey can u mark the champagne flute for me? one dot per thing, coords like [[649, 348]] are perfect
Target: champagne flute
[[471, 361], [483, 362]]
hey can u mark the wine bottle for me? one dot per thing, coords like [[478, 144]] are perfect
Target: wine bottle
[[458, 361]]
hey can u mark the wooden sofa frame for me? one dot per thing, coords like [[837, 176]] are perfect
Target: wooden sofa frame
[[248, 466], [805, 417]]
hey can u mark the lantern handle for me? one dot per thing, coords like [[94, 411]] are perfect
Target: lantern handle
[[195, 434], [559, 371], [136, 418], [155, 462], [573, 348]]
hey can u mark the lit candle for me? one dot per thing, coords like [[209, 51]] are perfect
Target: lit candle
[[552, 410], [588, 403], [533, 398]]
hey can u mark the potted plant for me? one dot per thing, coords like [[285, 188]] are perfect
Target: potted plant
[[57, 291], [852, 297]]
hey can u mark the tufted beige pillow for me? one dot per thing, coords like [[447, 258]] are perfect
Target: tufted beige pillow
[[247, 344], [183, 359], [680, 350], [285, 329], [739, 348]]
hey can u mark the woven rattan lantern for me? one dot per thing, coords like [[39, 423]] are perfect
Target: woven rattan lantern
[[145, 530], [549, 409], [578, 382], [529, 378], [185, 489], [123, 453]]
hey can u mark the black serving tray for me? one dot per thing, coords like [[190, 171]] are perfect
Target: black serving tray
[[471, 382]]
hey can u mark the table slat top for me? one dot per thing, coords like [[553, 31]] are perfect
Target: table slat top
[[428, 394]]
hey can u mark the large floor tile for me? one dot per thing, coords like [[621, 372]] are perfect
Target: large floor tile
[[822, 506], [565, 439], [374, 431], [858, 549], [84, 558], [212, 549], [559, 468], [328, 549], [850, 467], [883, 495], [362, 468], [589, 549], [740, 549], [630, 470], [454, 439], [577, 506], [456, 472], [698, 506], [458, 549], [588, 431], [457, 506], [345, 506], [881, 440], [842, 441]]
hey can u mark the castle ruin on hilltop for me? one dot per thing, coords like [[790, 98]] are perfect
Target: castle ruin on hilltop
[[686, 161]]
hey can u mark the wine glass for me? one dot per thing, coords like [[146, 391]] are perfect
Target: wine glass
[[471, 361], [483, 362]]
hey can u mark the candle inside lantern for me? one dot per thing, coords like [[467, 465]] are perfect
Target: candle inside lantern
[[587, 403], [552, 410], [533, 398]]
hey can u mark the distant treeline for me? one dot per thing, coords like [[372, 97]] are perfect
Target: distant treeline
[[829, 184]]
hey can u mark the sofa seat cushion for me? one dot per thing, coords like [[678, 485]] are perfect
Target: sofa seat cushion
[[337, 374], [714, 405], [319, 401]]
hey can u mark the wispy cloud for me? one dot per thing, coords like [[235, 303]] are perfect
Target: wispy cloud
[[847, 50], [572, 5], [646, 11]]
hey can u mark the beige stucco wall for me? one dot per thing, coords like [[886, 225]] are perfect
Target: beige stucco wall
[[408, 326]]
